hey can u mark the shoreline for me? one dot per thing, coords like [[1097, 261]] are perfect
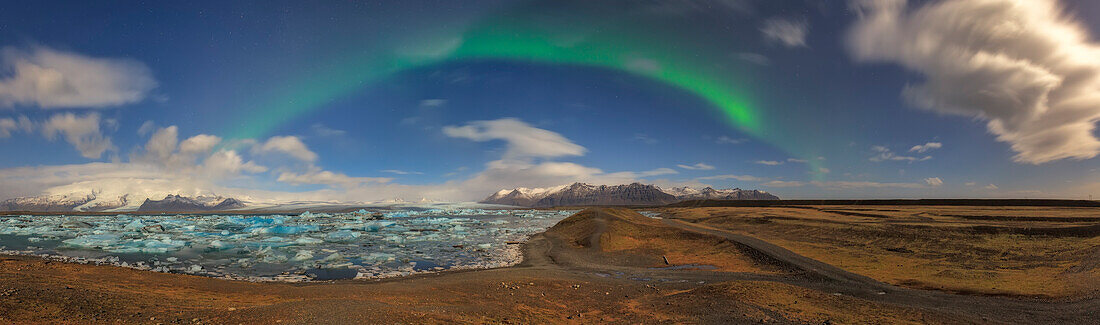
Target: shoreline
[[566, 275], [514, 251]]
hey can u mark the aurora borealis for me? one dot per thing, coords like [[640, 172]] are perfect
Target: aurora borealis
[[617, 46], [360, 101]]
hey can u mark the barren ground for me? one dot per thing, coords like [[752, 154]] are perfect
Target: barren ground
[[608, 265]]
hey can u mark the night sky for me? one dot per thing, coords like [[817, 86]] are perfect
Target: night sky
[[453, 100]]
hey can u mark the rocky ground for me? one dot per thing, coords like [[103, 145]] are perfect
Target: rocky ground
[[599, 266]]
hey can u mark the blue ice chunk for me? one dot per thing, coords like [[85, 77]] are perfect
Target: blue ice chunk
[[220, 245], [375, 225], [397, 215], [93, 241], [342, 236], [135, 225], [379, 257], [305, 240], [285, 230]]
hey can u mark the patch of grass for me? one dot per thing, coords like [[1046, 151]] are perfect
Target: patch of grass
[[927, 248]]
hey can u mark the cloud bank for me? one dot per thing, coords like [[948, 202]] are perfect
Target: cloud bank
[[49, 78], [1025, 67]]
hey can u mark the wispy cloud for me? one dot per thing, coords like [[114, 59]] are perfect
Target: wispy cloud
[[921, 148], [883, 153], [769, 162], [435, 102], [784, 184], [325, 131], [728, 140], [790, 33], [401, 172], [743, 178], [640, 137], [697, 166]]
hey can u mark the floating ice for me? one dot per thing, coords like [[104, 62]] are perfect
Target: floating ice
[[363, 243]]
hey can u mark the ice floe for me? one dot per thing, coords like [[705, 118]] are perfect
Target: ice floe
[[363, 244]]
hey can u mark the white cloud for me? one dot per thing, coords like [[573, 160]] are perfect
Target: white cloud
[[697, 166], [790, 33], [165, 165], [9, 125], [146, 128], [524, 141], [971, 183], [325, 131], [794, 160], [823, 170], [161, 147], [227, 163], [921, 148], [401, 172], [329, 178], [433, 103], [199, 144], [991, 187], [933, 181], [289, 145], [164, 150], [743, 178], [728, 140], [50, 78], [784, 184], [645, 139], [1026, 67], [658, 172], [81, 131], [769, 162], [883, 153]]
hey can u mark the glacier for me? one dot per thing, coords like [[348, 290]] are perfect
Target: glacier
[[283, 247]]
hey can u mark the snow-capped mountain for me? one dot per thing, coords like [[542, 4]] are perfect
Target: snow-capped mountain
[[580, 194], [708, 193], [98, 202], [52, 203], [177, 203]]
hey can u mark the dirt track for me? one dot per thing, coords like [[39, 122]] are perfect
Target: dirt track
[[984, 308], [559, 282]]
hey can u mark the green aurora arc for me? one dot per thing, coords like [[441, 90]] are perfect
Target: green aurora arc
[[585, 39]]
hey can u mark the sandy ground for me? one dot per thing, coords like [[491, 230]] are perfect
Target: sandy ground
[[599, 266]]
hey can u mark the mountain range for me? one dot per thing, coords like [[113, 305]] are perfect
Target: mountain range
[[95, 202], [177, 203], [581, 194]]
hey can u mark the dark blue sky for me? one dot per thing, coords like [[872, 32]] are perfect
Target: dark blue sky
[[835, 125]]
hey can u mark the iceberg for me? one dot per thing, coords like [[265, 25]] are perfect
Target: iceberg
[[342, 236], [94, 241], [373, 244]]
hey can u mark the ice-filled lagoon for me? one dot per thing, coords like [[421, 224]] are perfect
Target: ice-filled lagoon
[[309, 246]]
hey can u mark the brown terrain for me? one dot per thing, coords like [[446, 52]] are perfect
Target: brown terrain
[[801, 265]]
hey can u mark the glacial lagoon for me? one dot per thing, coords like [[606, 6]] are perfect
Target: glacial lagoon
[[284, 247]]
